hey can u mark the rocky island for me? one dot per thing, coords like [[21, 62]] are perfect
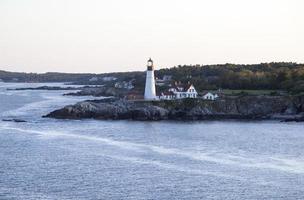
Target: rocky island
[[285, 108]]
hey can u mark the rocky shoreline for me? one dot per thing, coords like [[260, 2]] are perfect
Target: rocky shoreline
[[99, 92], [56, 88], [284, 108]]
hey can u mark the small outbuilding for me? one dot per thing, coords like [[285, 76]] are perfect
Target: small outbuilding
[[210, 96]]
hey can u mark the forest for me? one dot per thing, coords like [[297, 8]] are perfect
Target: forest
[[265, 76]]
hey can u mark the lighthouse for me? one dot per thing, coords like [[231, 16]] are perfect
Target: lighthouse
[[150, 93]]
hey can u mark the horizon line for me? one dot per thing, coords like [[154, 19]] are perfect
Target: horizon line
[[63, 72]]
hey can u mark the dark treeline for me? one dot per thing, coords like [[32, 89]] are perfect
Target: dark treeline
[[77, 78], [45, 77], [274, 76]]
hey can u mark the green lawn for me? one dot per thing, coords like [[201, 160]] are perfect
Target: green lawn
[[250, 92]]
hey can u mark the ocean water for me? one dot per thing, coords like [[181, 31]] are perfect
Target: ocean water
[[90, 159]]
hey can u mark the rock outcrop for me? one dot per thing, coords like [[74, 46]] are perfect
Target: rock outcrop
[[247, 107], [14, 120], [99, 91], [48, 88], [110, 109]]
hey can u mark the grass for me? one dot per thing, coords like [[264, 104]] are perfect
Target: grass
[[249, 92]]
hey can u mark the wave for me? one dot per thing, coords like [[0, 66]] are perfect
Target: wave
[[169, 166], [41, 106], [123, 145], [135, 160], [273, 163], [49, 100], [27, 108]]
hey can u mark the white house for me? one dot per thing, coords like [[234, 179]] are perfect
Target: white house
[[167, 78], [167, 96], [160, 82], [124, 85], [210, 96], [109, 78], [93, 79], [179, 92]]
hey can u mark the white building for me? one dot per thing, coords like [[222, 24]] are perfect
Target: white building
[[150, 91], [179, 92], [167, 96], [93, 79], [167, 78], [159, 82], [109, 78], [210, 96], [164, 81], [124, 85]]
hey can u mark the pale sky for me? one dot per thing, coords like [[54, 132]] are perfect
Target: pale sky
[[120, 35]]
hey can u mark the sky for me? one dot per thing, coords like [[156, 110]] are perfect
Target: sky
[[99, 36]]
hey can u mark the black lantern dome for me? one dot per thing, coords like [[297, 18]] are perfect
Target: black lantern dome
[[150, 65]]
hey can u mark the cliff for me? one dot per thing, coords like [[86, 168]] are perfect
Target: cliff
[[247, 107]]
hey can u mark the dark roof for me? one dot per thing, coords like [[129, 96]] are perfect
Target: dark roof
[[187, 87]]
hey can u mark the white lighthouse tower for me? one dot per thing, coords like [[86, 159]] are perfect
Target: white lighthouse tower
[[150, 93]]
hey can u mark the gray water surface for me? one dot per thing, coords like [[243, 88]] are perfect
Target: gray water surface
[[90, 159]]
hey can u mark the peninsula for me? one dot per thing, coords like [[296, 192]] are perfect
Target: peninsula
[[174, 100]]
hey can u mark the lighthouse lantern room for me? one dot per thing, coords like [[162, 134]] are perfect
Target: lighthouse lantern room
[[150, 92]]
